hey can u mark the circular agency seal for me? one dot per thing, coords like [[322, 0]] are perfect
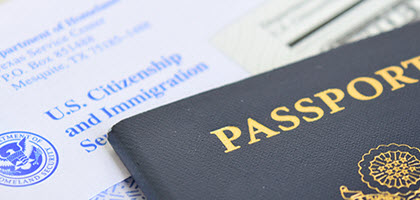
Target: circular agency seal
[[25, 159]]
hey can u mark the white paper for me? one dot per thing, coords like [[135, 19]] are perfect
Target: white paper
[[280, 32], [69, 70]]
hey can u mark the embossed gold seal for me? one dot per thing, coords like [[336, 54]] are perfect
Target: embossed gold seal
[[392, 170], [395, 169]]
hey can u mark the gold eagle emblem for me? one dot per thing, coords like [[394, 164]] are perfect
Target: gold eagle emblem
[[392, 170]]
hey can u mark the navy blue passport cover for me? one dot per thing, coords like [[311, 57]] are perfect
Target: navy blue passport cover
[[341, 125]]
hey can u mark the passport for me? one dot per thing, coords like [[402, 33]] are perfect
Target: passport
[[341, 125]]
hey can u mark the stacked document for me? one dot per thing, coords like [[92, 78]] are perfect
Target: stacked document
[[71, 70], [341, 125]]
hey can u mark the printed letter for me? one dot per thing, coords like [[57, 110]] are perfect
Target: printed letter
[[285, 118], [220, 133], [309, 109], [351, 89], [252, 125], [331, 103], [415, 61], [393, 80]]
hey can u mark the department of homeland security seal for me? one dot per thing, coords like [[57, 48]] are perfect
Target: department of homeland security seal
[[25, 159]]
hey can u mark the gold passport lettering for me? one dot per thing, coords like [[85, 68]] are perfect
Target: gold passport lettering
[[393, 75]]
